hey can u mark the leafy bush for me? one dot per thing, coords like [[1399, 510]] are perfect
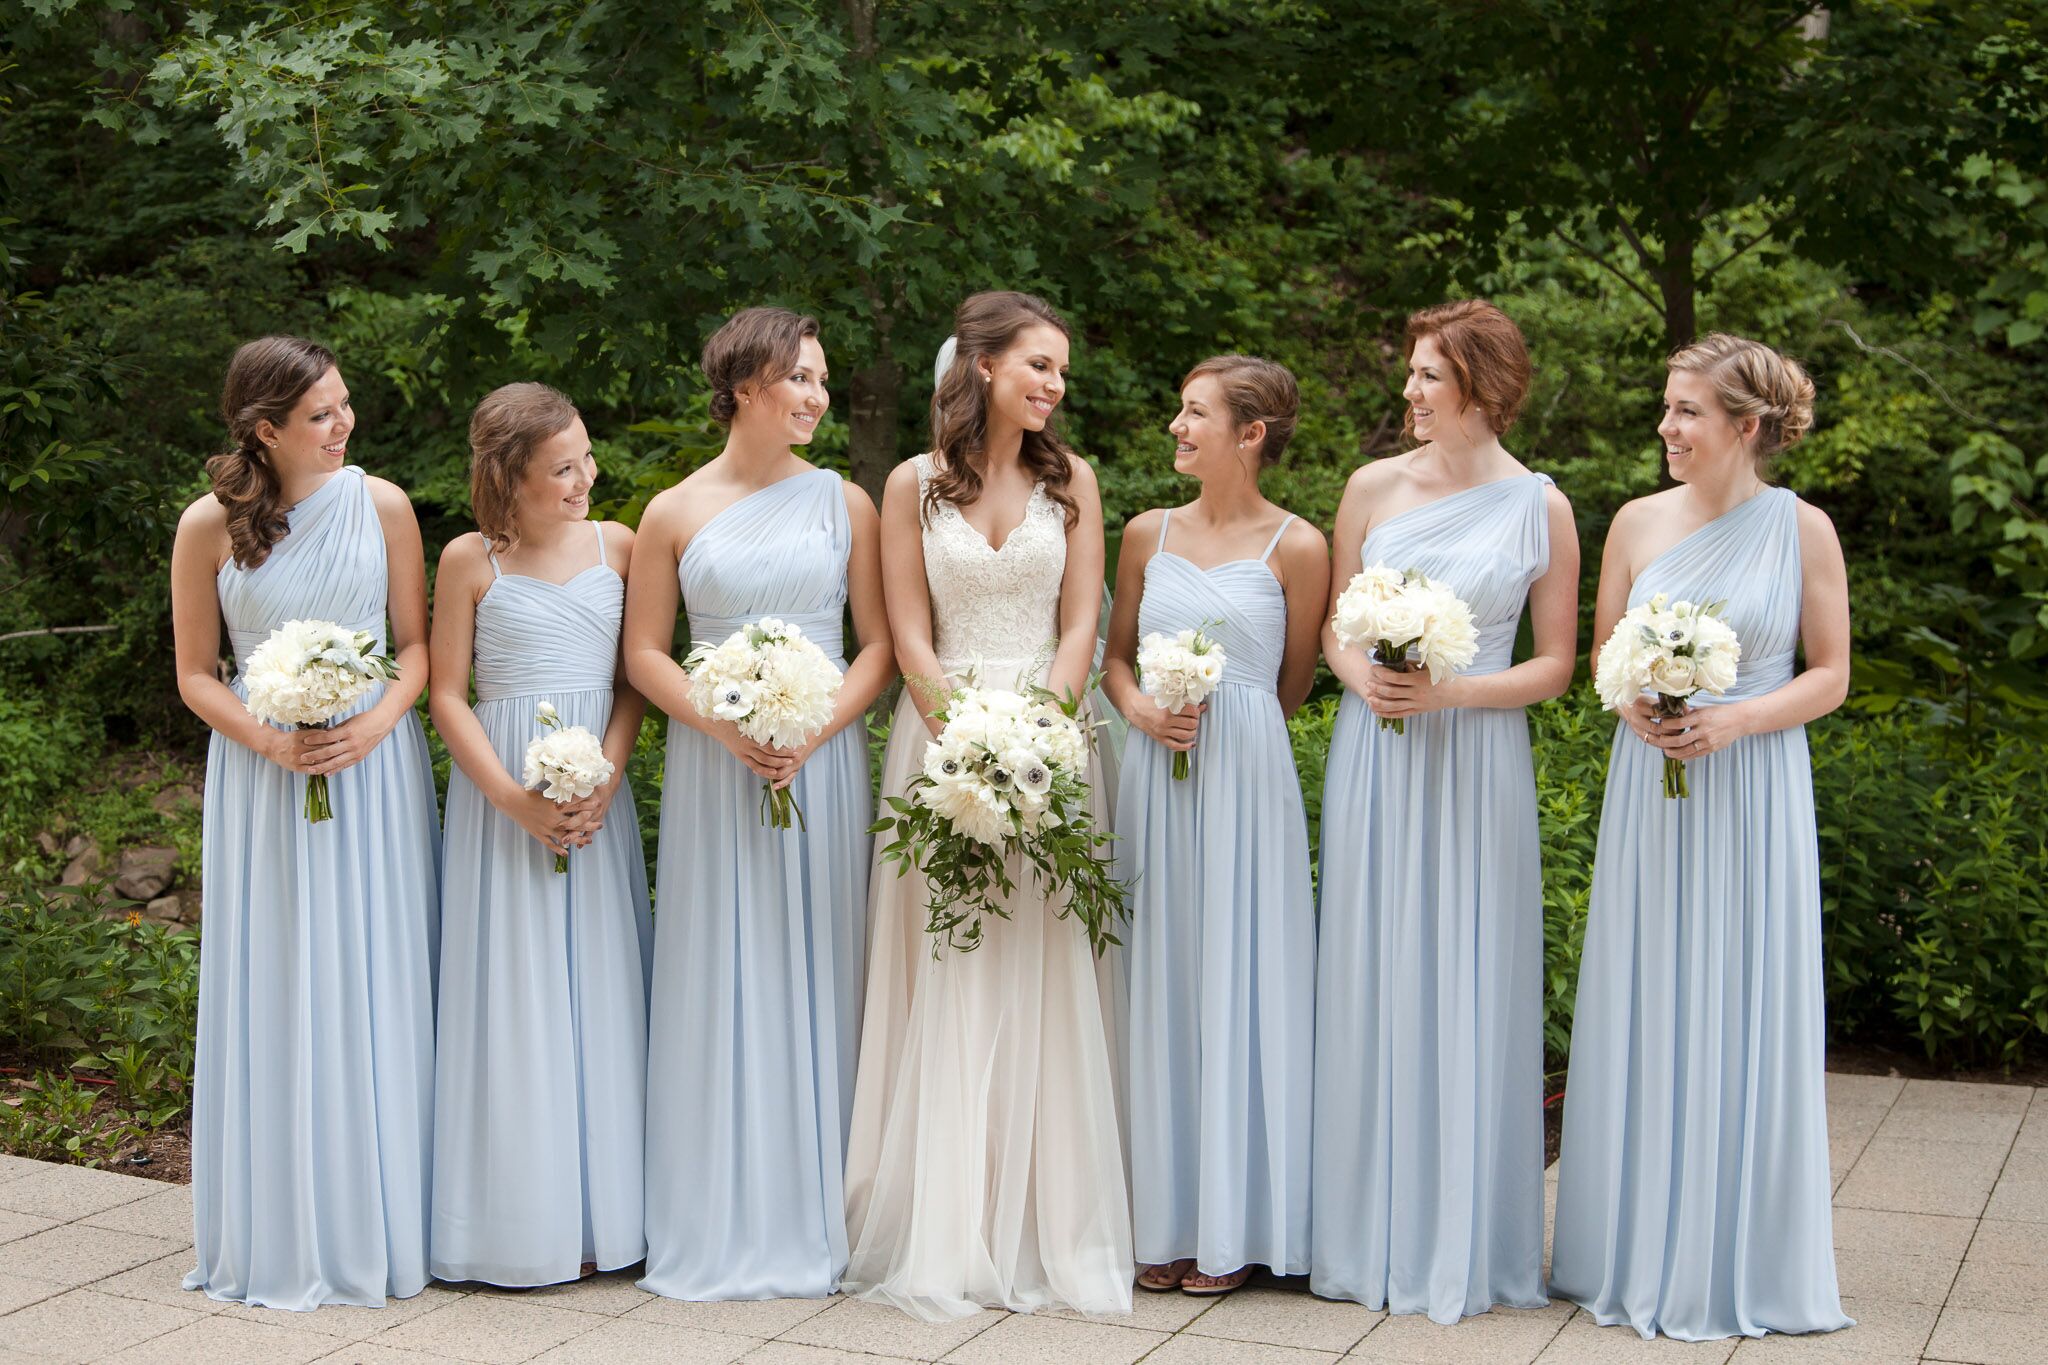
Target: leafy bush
[[44, 747], [85, 992]]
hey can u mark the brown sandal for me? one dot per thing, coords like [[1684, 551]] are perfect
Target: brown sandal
[[1218, 1285], [1166, 1277]]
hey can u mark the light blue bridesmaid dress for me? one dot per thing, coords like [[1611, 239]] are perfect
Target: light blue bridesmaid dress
[[759, 941], [1693, 1187], [540, 1089], [312, 1113], [1222, 943], [1429, 1029]]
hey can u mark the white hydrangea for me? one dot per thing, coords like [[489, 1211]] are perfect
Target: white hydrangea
[[309, 672], [1180, 670], [1388, 612]]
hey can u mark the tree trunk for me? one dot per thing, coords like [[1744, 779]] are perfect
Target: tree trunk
[[871, 443], [1677, 280]]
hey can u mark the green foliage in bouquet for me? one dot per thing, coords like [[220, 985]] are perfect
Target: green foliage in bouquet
[[969, 879]]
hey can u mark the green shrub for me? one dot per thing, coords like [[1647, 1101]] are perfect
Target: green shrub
[[1569, 738], [85, 991], [44, 747]]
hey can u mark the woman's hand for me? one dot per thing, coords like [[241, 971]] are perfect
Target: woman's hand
[[795, 759], [344, 745], [289, 749], [771, 765], [1696, 731], [586, 814], [1393, 694], [1176, 732], [542, 818]]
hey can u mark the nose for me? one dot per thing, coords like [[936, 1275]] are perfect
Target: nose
[[1412, 390]]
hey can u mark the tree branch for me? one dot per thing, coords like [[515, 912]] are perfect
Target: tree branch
[[1656, 304], [55, 630], [1769, 229]]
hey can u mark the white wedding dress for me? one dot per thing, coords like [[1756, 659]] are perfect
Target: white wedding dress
[[985, 1166]]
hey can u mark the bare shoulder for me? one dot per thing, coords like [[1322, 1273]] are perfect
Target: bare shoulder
[[1633, 516], [204, 516], [1304, 539], [665, 507], [1378, 476], [1143, 529], [388, 498], [902, 485], [466, 555], [1554, 499], [1081, 474], [1816, 532], [617, 536], [859, 505]]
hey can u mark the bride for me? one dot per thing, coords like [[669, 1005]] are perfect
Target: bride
[[985, 1166]]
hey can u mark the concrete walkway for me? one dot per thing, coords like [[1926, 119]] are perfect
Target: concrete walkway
[[1941, 1226]]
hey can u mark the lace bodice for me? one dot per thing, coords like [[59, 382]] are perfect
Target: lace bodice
[[995, 606]]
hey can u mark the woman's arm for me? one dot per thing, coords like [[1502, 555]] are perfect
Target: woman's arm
[[1303, 558], [1353, 667], [1120, 681], [906, 596], [197, 554], [464, 575], [1081, 587]]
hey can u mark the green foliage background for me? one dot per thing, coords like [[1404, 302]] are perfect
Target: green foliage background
[[458, 195]]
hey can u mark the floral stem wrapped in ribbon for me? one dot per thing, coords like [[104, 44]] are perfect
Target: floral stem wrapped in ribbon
[[1179, 671], [566, 762], [1004, 779], [306, 674], [1672, 649], [1390, 612], [779, 688]]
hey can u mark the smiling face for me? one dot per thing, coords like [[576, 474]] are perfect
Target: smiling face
[[1206, 436], [787, 405], [314, 439], [1701, 441], [1026, 382], [559, 473], [1436, 404]]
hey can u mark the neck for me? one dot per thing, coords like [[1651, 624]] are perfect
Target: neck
[[548, 533], [1726, 490], [1003, 447], [756, 458], [1230, 496], [294, 489], [1465, 458]]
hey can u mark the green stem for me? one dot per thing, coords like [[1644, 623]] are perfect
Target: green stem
[[1180, 766]]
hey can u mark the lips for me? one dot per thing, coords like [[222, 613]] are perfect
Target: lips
[[1039, 405]]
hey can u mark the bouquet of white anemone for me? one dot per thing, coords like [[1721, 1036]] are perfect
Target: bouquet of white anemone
[[566, 762], [1673, 649], [776, 686], [1390, 612], [306, 674], [1179, 671], [1005, 778]]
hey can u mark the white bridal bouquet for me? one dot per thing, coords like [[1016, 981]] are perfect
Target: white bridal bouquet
[[1004, 777], [1179, 671], [1390, 612], [566, 762], [1673, 649], [306, 674], [776, 686]]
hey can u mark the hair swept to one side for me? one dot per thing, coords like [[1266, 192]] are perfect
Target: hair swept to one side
[[265, 380], [985, 327]]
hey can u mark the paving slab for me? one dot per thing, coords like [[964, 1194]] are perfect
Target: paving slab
[[74, 1254], [490, 1330], [2003, 1240], [81, 1325], [620, 1341], [1845, 1089], [1505, 1336], [1027, 1339], [161, 1281], [1288, 1317], [1916, 1234], [1890, 1275], [2021, 1194], [761, 1319], [2003, 1287], [166, 1214], [222, 1340], [348, 1321], [877, 1329], [1982, 1337], [67, 1192], [14, 1226], [1902, 1176], [1585, 1342], [18, 1292], [1187, 1349]]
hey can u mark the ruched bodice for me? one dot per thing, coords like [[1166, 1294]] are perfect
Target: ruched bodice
[[1489, 543], [1747, 558], [329, 567], [1239, 605], [779, 551], [988, 604], [535, 637]]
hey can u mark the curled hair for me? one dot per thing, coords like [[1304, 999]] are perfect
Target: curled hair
[[1485, 351], [1752, 380], [504, 431], [986, 326], [265, 381], [1256, 390], [752, 343]]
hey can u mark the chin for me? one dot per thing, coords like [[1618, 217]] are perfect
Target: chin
[[1185, 464]]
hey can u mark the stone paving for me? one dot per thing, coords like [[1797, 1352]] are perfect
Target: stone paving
[[1941, 1230]]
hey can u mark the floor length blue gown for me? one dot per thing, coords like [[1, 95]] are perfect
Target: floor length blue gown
[[540, 1090], [1222, 943], [1429, 1029], [760, 935], [1693, 1186], [312, 1114]]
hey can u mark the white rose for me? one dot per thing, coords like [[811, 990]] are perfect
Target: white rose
[[1672, 675]]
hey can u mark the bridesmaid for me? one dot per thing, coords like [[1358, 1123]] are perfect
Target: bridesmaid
[[541, 1084], [1693, 1189], [1222, 937], [312, 1105], [761, 931], [1429, 1029]]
